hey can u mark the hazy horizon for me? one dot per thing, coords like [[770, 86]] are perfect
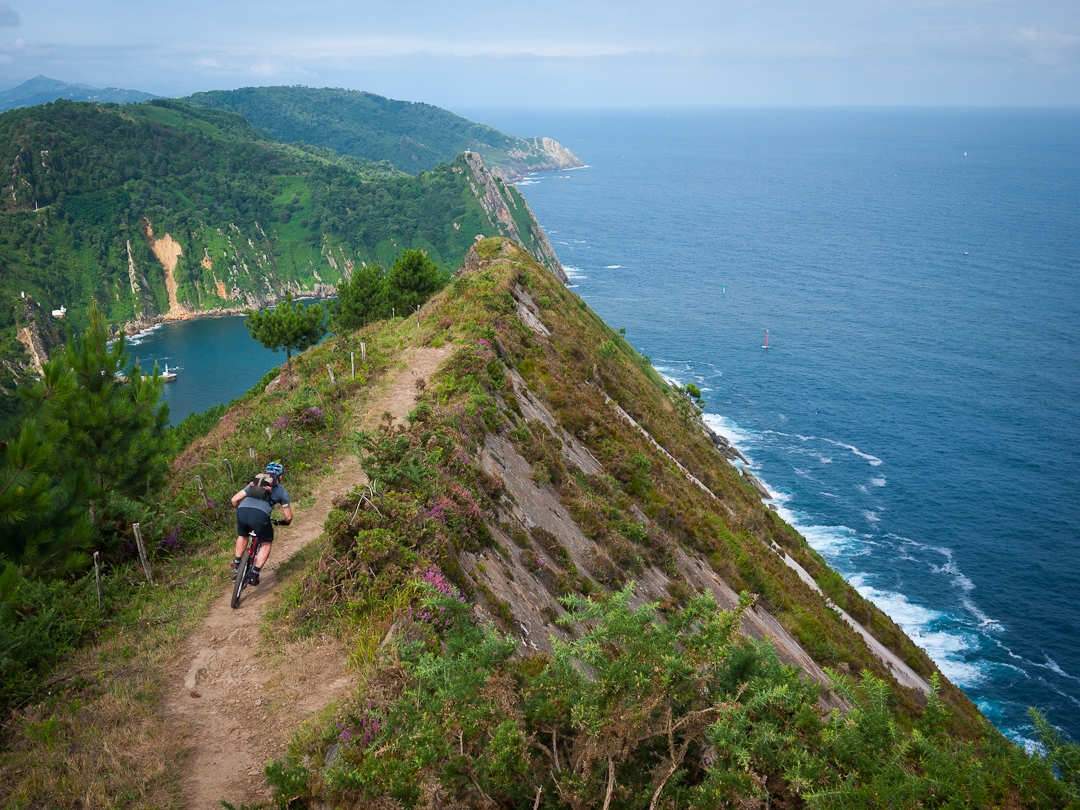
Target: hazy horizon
[[629, 55]]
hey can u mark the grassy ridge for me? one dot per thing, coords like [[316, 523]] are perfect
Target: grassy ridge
[[453, 711], [87, 727]]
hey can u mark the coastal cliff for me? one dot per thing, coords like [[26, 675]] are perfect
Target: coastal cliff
[[522, 573]]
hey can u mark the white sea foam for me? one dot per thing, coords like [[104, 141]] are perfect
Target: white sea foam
[[573, 272], [731, 431], [139, 337], [613, 267], [921, 624], [947, 647], [1052, 665]]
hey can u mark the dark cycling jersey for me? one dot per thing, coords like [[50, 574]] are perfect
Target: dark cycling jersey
[[277, 495]]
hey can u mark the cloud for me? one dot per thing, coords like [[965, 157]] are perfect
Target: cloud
[[9, 17]]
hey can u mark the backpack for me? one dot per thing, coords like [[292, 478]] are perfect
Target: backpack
[[261, 487]]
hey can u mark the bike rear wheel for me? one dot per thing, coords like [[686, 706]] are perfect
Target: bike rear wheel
[[241, 579]]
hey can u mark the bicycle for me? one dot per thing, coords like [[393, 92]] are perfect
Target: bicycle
[[247, 562]]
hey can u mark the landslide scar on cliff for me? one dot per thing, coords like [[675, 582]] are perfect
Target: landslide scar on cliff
[[168, 252]]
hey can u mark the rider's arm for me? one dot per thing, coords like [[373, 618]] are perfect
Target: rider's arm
[[239, 496], [288, 513]]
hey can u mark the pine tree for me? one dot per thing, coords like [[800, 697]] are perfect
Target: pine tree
[[117, 428], [412, 280], [290, 326], [43, 522], [363, 297]]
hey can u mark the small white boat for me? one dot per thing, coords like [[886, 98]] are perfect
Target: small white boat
[[766, 339]]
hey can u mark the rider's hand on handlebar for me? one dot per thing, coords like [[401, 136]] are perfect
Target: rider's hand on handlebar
[[277, 522]]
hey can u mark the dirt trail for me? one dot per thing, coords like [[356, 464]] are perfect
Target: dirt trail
[[237, 703]]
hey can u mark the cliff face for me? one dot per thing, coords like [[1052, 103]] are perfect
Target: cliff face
[[541, 155], [551, 488], [507, 210], [562, 408], [603, 475]]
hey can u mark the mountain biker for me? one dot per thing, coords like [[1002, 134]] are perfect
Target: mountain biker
[[254, 503]]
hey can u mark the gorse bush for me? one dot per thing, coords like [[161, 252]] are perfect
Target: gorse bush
[[640, 711]]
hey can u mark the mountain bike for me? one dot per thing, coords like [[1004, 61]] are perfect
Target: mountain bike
[[247, 562]]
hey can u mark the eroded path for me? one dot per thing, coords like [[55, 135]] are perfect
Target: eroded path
[[237, 702]]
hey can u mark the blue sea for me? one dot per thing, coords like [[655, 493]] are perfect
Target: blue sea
[[917, 412], [215, 360]]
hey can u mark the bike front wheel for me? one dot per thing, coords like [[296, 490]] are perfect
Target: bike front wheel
[[241, 579]]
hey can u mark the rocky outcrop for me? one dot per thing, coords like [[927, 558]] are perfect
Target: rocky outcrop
[[536, 155], [493, 195], [37, 333]]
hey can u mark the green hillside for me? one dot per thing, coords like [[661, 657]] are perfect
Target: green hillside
[[540, 585], [412, 136], [164, 209]]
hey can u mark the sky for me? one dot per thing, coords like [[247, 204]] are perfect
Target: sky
[[564, 53]]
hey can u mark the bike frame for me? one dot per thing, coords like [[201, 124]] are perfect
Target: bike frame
[[247, 562]]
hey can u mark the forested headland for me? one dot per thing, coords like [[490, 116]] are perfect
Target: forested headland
[[164, 209]]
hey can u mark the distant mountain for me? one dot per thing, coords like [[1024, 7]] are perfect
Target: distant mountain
[[414, 137], [42, 90]]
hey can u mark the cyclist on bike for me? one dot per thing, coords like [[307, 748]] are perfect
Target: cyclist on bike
[[254, 503]]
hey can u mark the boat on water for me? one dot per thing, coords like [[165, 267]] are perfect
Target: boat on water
[[766, 339], [166, 376]]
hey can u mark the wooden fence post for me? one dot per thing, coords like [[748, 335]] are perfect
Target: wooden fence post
[[142, 552], [330, 371], [352, 363], [363, 352], [232, 478], [97, 574], [202, 492], [251, 453]]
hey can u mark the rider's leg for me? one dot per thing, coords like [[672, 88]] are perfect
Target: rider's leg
[[241, 544], [263, 555]]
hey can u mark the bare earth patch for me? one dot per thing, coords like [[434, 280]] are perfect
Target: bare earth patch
[[237, 703]]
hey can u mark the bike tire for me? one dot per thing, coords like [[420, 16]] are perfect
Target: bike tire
[[241, 579]]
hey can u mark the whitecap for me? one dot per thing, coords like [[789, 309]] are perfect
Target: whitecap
[[1052, 665], [613, 267], [140, 336], [871, 516], [730, 430], [878, 482], [920, 623], [874, 460], [573, 272]]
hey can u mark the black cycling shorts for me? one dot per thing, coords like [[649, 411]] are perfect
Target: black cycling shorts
[[250, 519]]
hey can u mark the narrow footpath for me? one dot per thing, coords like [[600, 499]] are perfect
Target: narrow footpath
[[236, 702]]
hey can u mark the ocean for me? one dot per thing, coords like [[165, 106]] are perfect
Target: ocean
[[917, 412], [215, 360]]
